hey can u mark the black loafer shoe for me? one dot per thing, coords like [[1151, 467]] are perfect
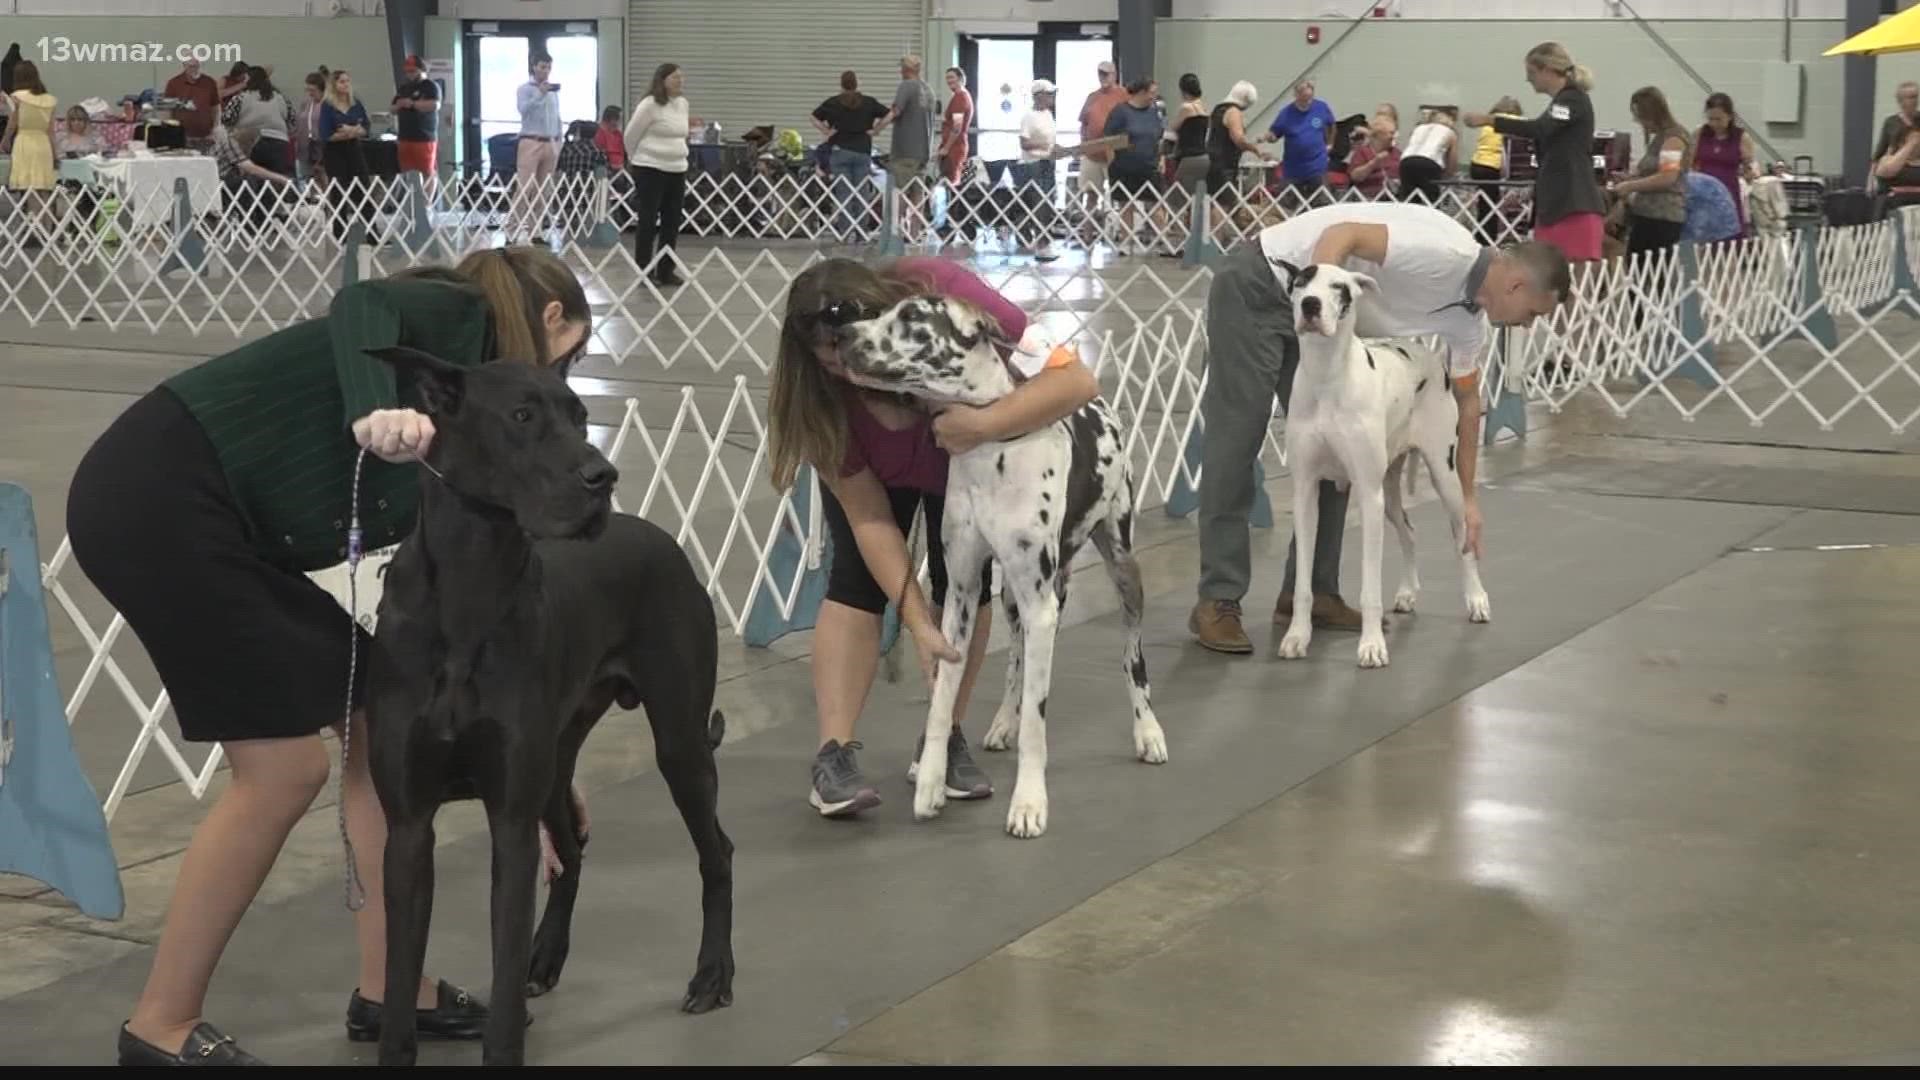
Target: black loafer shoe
[[456, 1015], [205, 1046]]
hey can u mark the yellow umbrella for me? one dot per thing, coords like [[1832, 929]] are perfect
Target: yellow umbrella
[[1898, 34]]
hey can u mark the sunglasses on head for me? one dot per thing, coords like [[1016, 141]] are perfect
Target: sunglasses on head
[[843, 313]]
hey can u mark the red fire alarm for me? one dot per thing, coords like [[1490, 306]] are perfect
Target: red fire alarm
[[1313, 35]]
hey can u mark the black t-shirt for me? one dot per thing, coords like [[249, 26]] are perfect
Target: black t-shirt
[[1893, 132], [415, 125], [852, 124], [1563, 142]]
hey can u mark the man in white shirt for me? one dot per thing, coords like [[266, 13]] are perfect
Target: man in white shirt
[[1435, 279], [1033, 176]]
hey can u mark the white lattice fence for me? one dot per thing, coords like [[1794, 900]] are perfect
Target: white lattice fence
[[1810, 330]]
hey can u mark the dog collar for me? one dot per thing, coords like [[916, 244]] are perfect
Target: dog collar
[[1476, 276]]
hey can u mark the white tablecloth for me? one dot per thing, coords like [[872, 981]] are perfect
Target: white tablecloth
[[146, 184]]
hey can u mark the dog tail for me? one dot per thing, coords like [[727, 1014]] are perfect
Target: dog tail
[[716, 729]]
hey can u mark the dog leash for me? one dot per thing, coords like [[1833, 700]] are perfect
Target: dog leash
[[356, 893]]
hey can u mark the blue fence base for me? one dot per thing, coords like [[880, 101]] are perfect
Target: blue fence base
[[1693, 328], [764, 623], [1184, 499], [191, 252], [1200, 249], [51, 826], [1903, 283], [1509, 413], [892, 244], [1817, 324]]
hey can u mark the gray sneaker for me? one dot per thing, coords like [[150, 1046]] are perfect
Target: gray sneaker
[[839, 788], [965, 780]]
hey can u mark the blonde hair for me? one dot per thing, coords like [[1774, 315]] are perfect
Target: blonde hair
[[1243, 94], [1553, 56], [806, 405], [333, 89]]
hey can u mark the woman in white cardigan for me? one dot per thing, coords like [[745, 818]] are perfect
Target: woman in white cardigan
[[656, 141]]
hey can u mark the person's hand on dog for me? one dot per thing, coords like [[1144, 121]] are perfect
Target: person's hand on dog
[[1472, 545], [960, 428], [396, 435], [932, 646]]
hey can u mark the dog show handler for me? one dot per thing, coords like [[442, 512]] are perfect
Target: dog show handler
[[880, 458], [199, 513], [1435, 279]]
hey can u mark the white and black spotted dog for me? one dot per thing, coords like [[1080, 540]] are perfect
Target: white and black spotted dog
[[1029, 503], [1358, 409]]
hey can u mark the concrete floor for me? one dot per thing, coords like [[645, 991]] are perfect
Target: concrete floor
[[1658, 811]]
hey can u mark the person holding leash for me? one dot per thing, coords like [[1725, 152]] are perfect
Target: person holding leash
[[1435, 279], [198, 515], [880, 459]]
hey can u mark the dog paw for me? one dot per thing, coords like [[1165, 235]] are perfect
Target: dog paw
[[1150, 744], [929, 798], [1479, 608], [549, 956], [710, 988], [1294, 645], [1000, 733], [1373, 654], [1403, 601], [1027, 817]]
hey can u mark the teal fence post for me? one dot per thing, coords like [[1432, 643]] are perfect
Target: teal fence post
[[1810, 301], [788, 557], [602, 235], [191, 251], [891, 242], [1509, 410], [1184, 499], [350, 253], [52, 828], [1200, 248]]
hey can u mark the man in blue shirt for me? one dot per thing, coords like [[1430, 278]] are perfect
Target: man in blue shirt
[[1306, 124], [539, 150]]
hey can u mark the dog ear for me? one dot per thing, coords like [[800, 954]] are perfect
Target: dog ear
[[1363, 284], [439, 384], [1289, 273]]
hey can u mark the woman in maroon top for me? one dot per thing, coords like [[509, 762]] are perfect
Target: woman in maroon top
[[880, 458], [1725, 152]]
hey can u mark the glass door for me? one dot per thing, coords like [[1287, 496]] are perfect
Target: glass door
[[1077, 68], [497, 58], [503, 67], [1003, 78]]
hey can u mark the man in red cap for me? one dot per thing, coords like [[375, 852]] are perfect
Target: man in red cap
[[416, 108]]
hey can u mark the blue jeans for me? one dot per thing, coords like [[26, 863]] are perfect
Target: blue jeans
[[847, 173]]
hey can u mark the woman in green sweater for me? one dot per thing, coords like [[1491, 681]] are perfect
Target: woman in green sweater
[[198, 515]]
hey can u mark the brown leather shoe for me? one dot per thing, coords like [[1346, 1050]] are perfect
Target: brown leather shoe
[[1216, 623], [1329, 613]]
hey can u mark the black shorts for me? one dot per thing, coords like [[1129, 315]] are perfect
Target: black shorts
[[1129, 187], [849, 581], [244, 648]]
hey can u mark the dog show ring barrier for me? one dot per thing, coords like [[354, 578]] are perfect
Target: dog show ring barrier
[[1807, 327]]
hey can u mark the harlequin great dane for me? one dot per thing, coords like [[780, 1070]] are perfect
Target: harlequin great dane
[[1029, 503], [1358, 409]]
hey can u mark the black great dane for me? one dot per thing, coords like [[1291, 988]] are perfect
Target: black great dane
[[518, 611]]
